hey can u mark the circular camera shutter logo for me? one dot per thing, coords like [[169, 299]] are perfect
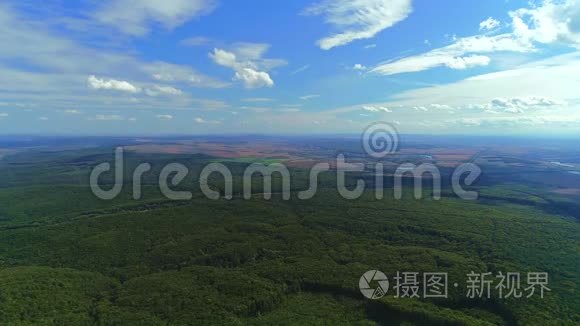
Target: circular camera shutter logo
[[373, 293]]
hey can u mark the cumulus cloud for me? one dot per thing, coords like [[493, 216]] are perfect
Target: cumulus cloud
[[441, 106], [112, 84], [553, 21], [224, 58], [506, 105], [548, 23], [431, 107], [134, 17], [246, 59], [489, 24], [359, 67], [376, 109], [253, 78], [358, 19], [56, 69], [522, 104], [515, 122]]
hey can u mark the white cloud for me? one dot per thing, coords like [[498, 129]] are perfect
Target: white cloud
[[301, 69], [164, 117], [522, 104], [224, 58], [469, 122], [203, 121], [253, 78], [134, 17], [460, 63], [309, 97], [376, 109], [210, 104], [460, 55], [359, 67], [112, 117], [252, 55], [370, 46], [548, 23], [157, 90], [256, 109], [555, 78], [248, 64], [553, 21], [171, 73], [540, 94], [515, 122], [3, 115], [55, 70], [291, 105], [168, 90], [358, 19], [250, 51], [290, 110], [43, 118], [489, 24], [112, 84], [71, 111], [431, 107], [441, 106]]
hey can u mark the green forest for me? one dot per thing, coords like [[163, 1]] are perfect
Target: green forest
[[68, 258]]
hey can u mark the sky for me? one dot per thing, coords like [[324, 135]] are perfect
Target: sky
[[148, 67]]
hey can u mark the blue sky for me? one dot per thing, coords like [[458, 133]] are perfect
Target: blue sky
[[319, 66]]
